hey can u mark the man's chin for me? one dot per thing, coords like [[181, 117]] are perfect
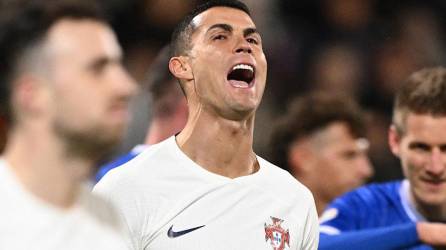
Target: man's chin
[[94, 145], [432, 199], [95, 149]]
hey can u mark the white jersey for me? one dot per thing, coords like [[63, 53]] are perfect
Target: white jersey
[[169, 202], [26, 222]]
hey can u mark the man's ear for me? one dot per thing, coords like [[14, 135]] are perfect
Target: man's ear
[[394, 140], [180, 68], [30, 95]]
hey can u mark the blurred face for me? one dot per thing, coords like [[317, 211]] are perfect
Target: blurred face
[[89, 87], [422, 150], [341, 162], [228, 63]]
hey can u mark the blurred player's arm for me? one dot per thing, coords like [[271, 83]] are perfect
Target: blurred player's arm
[[395, 237], [386, 238]]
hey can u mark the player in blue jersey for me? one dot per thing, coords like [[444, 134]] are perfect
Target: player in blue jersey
[[407, 214], [169, 110]]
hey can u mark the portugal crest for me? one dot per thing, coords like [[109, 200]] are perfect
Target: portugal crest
[[276, 235]]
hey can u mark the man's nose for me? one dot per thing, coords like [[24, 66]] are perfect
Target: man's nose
[[125, 83], [365, 167], [243, 46], [436, 164]]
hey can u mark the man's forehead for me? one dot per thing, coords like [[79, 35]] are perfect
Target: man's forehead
[[222, 15], [82, 35]]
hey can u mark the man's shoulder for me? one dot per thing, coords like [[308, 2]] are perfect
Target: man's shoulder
[[139, 171], [276, 173], [140, 159], [118, 161], [282, 181], [99, 210]]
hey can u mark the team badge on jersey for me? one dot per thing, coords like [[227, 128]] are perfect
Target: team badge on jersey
[[276, 235]]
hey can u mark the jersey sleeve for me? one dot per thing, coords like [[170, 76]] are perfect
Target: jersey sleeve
[[385, 238], [348, 224]]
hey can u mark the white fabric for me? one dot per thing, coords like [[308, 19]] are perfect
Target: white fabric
[[162, 188], [26, 222], [139, 148], [408, 202]]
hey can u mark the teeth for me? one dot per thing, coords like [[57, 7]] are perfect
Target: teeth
[[243, 66]]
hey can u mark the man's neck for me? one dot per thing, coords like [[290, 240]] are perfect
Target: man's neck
[[42, 168], [321, 197], [220, 146], [432, 213], [321, 204]]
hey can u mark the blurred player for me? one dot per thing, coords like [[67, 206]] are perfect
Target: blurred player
[[67, 95], [320, 142], [205, 188], [406, 214], [169, 110]]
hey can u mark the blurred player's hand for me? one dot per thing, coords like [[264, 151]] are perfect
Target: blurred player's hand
[[432, 234]]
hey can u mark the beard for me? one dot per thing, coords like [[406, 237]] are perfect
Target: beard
[[94, 144]]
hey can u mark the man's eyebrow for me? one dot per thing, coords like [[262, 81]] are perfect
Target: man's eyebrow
[[223, 26], [102, 61], [228, 28], [250, 31]]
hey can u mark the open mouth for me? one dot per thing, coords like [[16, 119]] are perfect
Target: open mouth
[[241, 75]]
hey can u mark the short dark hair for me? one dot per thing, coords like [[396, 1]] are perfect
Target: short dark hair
[[181, 36], [23, 26], [424, 92], [163, 88], [308, 114]]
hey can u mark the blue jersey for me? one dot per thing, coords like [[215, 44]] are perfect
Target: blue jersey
[[376, 216], [118, 161]]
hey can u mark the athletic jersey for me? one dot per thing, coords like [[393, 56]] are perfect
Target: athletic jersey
[[118, 161], [27, 222], [169, 202], [376, 216]]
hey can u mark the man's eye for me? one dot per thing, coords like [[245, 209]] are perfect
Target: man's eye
[[350, 154], [219, 37], [252, 40], [98, 69], [419, 147], [99, 66]]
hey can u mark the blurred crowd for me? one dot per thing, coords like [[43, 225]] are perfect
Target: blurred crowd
[[361, 48]]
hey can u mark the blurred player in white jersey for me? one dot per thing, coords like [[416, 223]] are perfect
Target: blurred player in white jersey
[[205, 188], [66, 95]]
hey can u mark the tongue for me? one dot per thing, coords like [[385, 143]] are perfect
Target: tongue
[[238, 84]]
